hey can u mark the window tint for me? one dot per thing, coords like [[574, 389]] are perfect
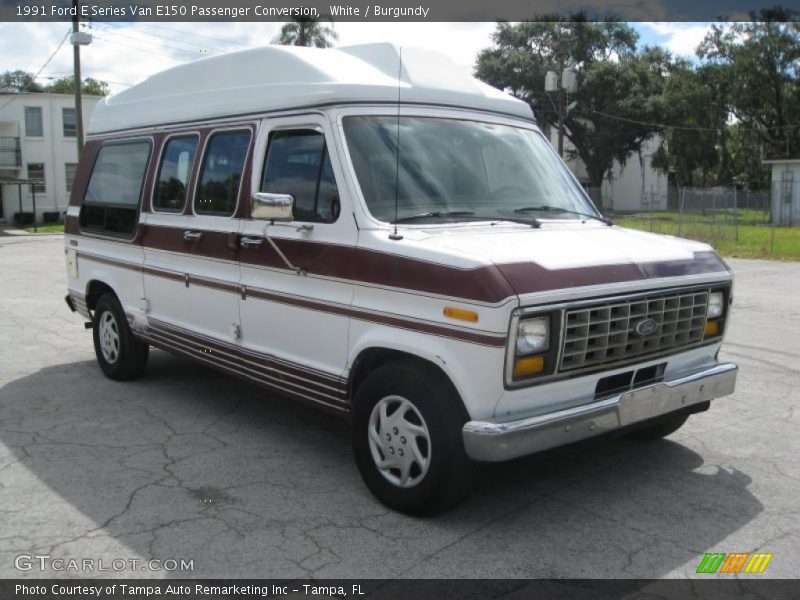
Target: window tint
[[33, 121], [68, 119], [112, 197], [218, 188], [297, 163], [174, 174], [36, 173], [69, 174]]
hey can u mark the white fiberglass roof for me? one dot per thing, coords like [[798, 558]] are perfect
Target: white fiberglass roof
[[286, 77]]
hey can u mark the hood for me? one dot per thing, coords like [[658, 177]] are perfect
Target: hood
[[564, 246], [566, 255]]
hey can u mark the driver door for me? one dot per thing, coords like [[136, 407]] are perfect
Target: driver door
[[297, 320]]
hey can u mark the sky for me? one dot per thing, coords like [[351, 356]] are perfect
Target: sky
[[124, 54]]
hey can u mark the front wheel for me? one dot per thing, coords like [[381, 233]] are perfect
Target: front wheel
[[120, 355], [407, 440]]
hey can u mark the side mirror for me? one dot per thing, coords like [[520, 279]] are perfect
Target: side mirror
[[271, 207]]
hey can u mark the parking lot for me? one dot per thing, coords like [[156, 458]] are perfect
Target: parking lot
[[184, 465]]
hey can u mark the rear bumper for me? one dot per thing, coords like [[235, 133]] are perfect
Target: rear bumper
[[497, 441]]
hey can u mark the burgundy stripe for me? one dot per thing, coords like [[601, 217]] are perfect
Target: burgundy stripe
[[302, 398], [311, 374], [269, 375], [467, 336]]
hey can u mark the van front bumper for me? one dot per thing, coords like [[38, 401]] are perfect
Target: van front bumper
[[497, 441]]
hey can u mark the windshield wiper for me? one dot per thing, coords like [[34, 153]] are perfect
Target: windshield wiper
[[533, 222], [546, 208], [438, 214]]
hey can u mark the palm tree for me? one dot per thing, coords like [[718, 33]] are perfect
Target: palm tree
[[306, 31]]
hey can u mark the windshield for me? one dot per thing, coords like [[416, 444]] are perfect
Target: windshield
[[457, 170]]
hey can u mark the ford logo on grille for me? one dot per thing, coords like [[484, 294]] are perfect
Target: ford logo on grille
[[645, 327]]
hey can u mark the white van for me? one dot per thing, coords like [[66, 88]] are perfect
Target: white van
[[407, 252]]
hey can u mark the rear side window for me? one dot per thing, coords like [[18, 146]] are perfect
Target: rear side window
[[218, 187], [174, 173], [111, 203], [297, 163]]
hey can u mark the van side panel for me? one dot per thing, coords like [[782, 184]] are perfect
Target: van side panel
[[113, 261]]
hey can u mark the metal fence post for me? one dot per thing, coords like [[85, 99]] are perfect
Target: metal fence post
[[680, 211], [735, 215]]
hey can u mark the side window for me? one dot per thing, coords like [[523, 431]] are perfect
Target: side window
[[174, 173], [297, 163], [111, 203], [218, 186]]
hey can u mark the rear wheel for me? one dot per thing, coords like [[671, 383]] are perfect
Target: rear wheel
[[659, 430], [120, 355], [407, 439]]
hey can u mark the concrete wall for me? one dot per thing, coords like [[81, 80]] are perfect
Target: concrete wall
[[53, 149]]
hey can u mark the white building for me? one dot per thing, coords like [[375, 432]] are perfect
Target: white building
[[785, 190], [38, 142], [632, 187]]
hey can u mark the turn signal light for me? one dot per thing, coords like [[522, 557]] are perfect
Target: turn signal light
[[462, 314], [530, 365], [712, 329]]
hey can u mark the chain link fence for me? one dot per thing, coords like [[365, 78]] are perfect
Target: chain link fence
[[762, 223]]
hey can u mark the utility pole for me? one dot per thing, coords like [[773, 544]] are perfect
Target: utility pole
[[560, 101], [562, 82], [76, 61]]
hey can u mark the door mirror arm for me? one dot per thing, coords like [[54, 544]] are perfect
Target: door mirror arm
[[276, 210]]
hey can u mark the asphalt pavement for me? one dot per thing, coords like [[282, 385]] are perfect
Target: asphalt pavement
[[190, 464]]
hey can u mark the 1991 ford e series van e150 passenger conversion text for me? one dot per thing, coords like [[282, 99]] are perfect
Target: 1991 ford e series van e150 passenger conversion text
[[383, 236]]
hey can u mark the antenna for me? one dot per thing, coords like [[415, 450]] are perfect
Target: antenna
[[395, 236]]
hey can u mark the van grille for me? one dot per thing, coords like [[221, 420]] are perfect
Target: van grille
[[606, 333]]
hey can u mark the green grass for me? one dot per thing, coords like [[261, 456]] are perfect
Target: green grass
[[50, 228], [755, 238]]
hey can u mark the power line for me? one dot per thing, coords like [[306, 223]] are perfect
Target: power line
[[44, 66], [124, 36], [150, 25], [681, 127], [139, 48]]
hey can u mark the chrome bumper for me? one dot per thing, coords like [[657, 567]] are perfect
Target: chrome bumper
[[498, 441]]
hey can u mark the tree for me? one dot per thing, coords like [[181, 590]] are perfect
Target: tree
[[761, 61], [90, 86], [306, 31], [618, 89], [20, 81], [694, 101]]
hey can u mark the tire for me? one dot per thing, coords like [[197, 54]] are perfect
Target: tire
[[394, 410], [120, 355], [659, 430]]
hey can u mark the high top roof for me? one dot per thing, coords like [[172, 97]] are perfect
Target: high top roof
[[287, 77]]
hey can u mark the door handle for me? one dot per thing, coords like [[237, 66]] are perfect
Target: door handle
[[192, 236], [251, 242]]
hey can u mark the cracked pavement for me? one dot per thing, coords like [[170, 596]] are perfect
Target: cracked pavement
[[188, 463]]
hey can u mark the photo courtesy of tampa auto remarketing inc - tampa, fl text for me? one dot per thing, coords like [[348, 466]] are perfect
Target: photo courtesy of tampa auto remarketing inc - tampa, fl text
[[394, 299]]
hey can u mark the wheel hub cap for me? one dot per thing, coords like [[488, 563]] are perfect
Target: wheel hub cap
[[399, 441], [108, 333]]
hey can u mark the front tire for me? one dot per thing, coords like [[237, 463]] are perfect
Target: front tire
[[407, 440], [120, 355]]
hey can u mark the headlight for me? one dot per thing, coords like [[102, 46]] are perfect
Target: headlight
[[716, 305], [533, 335]]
